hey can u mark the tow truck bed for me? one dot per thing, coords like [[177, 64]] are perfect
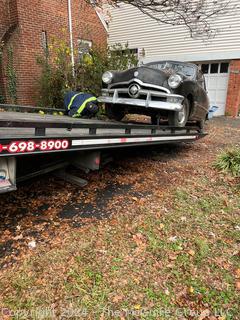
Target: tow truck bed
[[75, 134], [34, 134]]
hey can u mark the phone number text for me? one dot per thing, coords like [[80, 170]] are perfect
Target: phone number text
[[31, 146]]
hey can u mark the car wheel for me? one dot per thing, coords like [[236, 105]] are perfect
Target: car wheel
[[179, 119], [114, 113]]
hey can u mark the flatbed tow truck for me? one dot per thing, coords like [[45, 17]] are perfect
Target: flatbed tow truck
[[79, 142]]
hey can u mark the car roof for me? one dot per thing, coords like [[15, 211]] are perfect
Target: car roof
[[172, 61]]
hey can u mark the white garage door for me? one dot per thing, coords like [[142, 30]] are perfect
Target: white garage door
[[217, 75]]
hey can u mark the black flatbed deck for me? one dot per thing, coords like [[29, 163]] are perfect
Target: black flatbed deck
[[28, 133], [15, 124]]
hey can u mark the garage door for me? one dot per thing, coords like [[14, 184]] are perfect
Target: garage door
[[217, 75]]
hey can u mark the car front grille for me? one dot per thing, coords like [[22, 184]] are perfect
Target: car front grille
[[122, 92], [126, 86]]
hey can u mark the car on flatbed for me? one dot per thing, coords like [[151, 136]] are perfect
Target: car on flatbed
[[164, 90]]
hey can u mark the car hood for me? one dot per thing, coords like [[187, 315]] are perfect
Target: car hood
[[145, 74]]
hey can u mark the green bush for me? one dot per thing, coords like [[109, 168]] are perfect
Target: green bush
[[57, 73], [229, 161], [11, 76]]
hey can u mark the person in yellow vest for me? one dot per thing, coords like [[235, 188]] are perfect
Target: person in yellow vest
[[80, 104]]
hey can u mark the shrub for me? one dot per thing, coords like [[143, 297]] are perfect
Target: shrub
[[57, 73], [229, 161], [11, 77]]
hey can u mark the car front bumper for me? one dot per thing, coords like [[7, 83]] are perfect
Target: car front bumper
[[162, 100]]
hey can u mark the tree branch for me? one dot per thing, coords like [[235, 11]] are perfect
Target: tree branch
[[196, 15]]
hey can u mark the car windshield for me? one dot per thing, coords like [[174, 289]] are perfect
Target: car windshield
[[187, 70]]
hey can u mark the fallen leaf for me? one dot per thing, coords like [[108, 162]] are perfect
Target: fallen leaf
[[172, 257], [179, 248], [225, 202], [173, 239], [19, 237], [32, 244], [212, 234], [191, 290], [137, 307], [167, 292], [139, 239], [238, 285], [102, 316], [204, 314], [191, 253], [161, 226], [117, 299], [237, 273]]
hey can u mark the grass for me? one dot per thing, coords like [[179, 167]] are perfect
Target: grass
[[229, 161], [150, 264]]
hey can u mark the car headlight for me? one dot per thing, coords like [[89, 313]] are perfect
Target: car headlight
[[174, 81], [107, 77]]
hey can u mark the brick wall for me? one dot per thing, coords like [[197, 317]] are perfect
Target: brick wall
[[4, 17], [35, 16], [233, 95]]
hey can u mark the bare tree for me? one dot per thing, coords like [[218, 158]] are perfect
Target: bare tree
[[196, 15]]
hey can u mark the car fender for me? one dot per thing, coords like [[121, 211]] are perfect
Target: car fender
[[198, 99]]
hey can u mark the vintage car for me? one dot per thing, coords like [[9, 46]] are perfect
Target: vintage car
[[164, 90]]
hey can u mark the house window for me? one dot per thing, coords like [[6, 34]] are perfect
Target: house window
[[205, 68], [123, 52], [44, 41], [214, 68], [224, 67], [84, 47], [133, 53]]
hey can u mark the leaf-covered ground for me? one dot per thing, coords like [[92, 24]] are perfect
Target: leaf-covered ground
[[155, 235]]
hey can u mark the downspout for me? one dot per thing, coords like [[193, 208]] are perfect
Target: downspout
[[71, 35]]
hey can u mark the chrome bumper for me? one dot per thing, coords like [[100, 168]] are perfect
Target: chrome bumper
[[173, 101]]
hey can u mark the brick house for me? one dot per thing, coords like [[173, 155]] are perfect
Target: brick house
[[219, 57], [27, 25]]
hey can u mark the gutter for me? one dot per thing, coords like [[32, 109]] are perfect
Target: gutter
[[102, 20], [100, 16]]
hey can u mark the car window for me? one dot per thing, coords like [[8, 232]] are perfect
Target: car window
[[186, 69]]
